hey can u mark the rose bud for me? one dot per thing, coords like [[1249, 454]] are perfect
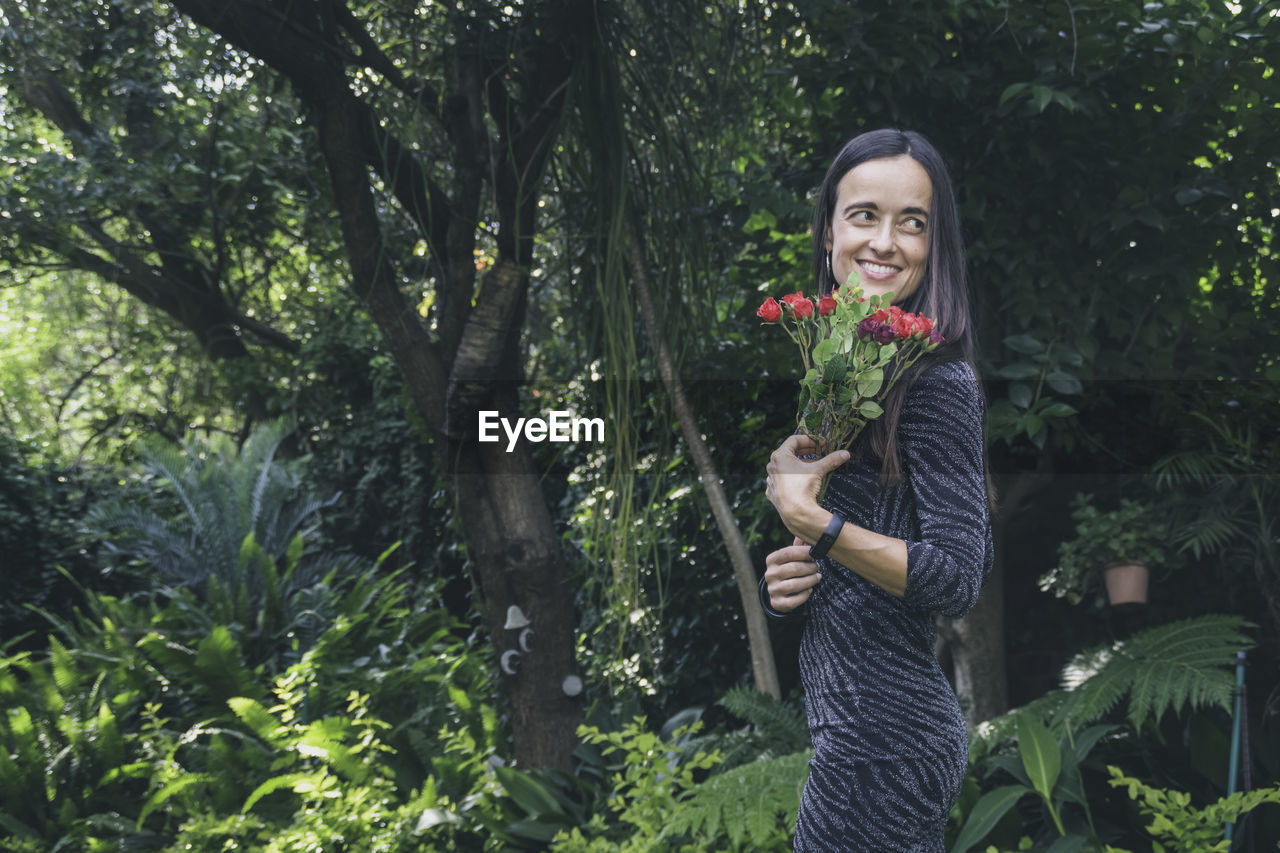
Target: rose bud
[[803, 308], [826, 305]]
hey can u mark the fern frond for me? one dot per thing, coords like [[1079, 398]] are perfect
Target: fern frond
[[1170, 666], [753, 803], [777, 721], [989, 734]]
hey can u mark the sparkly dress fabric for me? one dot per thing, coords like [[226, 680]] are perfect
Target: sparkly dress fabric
[[890, 746]]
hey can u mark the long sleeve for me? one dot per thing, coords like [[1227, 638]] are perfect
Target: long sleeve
[[940, 435]]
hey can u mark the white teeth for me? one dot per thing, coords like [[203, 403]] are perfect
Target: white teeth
[[878, 268]]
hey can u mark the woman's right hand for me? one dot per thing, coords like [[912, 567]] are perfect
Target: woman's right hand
[[790, 575]]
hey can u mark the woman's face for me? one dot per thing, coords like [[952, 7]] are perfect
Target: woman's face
[[880, 226]]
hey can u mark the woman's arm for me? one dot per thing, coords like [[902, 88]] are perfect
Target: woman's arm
[[940, 435], [793, 489]]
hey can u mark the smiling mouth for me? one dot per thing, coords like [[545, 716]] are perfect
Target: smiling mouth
[[879, 269]]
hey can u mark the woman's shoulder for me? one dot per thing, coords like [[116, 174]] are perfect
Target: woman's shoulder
[[946, 389], [954, 375]]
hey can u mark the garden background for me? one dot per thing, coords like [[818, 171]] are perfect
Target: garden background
[[262, 263]]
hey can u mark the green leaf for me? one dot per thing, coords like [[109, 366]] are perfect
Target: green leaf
[[528, 793], [1064, 383], [1018, 370], [870, 409], [987, 813], [1033, 425], [256, 718], [1042, 95], [824, 350], [294, 781], [1040, 755], [870, 382], [292, 556], [834, 370], [1057, 409], [435, 817], [1020, 394], [1024, 344], [176, 786], [759, 221], [1013, 90], [1068, 844]]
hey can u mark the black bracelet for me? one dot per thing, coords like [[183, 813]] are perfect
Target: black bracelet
[[828, 537], [768, 609]]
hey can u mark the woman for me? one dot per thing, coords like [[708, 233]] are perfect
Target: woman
[[903, 532]]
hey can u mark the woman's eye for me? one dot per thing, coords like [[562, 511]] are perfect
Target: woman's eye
[[861, 216], [913, 226]]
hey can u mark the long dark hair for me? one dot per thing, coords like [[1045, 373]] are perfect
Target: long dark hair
[[943, 293]]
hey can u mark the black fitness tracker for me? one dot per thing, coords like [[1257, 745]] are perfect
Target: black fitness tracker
[[828, 537]]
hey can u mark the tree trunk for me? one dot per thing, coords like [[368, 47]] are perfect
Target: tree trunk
[[762, 663], [472, 363], [513, 543], [976, 645], [976, 642]]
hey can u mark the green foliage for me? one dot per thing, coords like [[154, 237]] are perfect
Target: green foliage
[[1048, 769], [236, 555], [775, 728], [1178, 826], [1226, 496], [1134, 533], [650, 779], [754, 804], [1169, 667], [41, 507], [351, 748]]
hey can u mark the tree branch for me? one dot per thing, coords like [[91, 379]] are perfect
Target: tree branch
[[373, 57]]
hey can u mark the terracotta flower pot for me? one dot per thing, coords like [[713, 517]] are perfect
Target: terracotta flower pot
[[1127, 583]]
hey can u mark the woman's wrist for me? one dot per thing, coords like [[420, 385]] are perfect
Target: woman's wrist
[[809, 522]]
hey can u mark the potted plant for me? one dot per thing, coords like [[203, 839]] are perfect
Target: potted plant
[[1111, 551]]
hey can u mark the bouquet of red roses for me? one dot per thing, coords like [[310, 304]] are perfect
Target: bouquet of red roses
[[854, 349]]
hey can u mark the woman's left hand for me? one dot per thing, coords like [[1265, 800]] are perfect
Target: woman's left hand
[[793, 483]]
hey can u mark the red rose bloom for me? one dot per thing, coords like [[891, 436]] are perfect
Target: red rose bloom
[[921, 325], [803, 308], [902, 326], [792, 298], [826, 305], [770, 311]]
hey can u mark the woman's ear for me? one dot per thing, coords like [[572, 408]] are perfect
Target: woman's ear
[[828, 238]]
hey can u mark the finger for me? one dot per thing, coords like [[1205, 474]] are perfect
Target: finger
[[794, 586], [781, 572], [785, 603], [832, 461], [790, 554], [798, 444]]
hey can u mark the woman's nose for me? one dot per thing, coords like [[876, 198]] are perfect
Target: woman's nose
[[882, 239]]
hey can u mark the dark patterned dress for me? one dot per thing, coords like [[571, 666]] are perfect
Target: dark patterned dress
[[889, 738]]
